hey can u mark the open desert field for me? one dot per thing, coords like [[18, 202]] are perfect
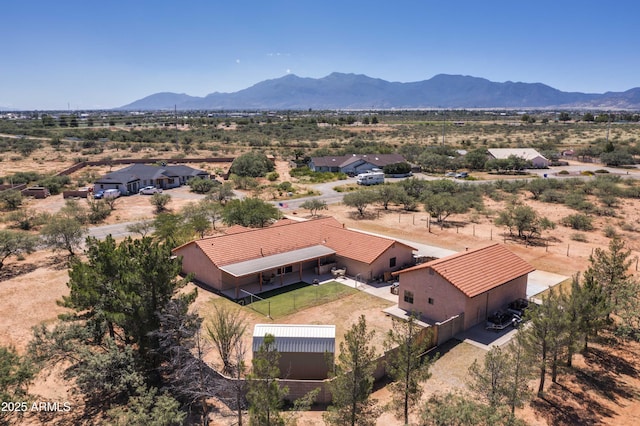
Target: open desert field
[[31, 286]]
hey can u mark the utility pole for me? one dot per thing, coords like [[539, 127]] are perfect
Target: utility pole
[[444, 122], [175, 119]]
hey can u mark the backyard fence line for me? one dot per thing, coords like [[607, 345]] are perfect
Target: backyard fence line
[[498, 234]]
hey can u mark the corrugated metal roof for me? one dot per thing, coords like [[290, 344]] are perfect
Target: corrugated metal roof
[[311, 338], [525, 153], [254, 266]]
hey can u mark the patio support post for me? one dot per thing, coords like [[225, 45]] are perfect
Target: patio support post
[[300, 271], [235, 280], [260, 280]]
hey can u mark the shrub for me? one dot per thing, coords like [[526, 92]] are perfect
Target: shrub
[[252, 164], [273, 176], [578, 237], [628, 227], [601, 171], [563, 172], [610, 231], [578, 221], [202, 186], [397, 168]]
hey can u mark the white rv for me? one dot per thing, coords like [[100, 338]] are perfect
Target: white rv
[[370, 178]]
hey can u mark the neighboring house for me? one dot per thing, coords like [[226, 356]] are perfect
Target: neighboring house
[[288, 252], [537, 160], [131, 179], [472, 284], [306, 350], [353, 163]]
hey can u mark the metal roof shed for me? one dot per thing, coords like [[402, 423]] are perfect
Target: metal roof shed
[[306, 350]]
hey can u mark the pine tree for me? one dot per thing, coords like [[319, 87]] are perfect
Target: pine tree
[[406, 343], [353, 382], [265, 396], [542, 338]]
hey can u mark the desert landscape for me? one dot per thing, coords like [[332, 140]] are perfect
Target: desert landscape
[[608, 385]]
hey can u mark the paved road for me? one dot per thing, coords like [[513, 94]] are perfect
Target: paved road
[[330, 196]]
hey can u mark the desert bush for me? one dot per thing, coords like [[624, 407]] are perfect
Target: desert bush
[[552, 196], [578, 221], [609, 231], [563, 172], [579, 237]]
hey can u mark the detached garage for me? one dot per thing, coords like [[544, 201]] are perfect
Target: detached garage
[[306, 351]]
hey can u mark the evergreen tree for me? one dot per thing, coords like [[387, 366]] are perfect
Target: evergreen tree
[[353, 382], [265, 396], [406, 343], [541, 336]]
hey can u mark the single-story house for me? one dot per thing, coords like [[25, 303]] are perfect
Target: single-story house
[[306, 350], [353, 163], [537, 160], [288, 252], [131, 179], [474, 284]]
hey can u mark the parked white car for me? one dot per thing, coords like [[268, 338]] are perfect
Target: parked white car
[[150, 190], [111, 193]]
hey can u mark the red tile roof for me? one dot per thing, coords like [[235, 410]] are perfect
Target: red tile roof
[[252, 243], [477, 271]]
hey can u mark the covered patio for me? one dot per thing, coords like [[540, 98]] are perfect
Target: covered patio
[[266, 273]]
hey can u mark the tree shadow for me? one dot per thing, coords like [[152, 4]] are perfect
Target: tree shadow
[[558, 407], [581, 402], [367, 215], [609, 362]]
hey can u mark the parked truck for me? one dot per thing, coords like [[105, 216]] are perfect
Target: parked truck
[[370, 178]]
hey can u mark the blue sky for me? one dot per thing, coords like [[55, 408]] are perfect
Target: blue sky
[[92, 55]]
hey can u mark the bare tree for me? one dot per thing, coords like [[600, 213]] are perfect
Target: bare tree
[[225, 329]]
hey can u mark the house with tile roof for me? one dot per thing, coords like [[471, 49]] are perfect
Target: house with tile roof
[[131, 179], [537, 160], [353, 163], [471, 284], [288, 252]]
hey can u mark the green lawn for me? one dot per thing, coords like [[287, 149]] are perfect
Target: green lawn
[[285, 303]]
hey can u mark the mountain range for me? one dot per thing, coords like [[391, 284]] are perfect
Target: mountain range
[[355, 91]]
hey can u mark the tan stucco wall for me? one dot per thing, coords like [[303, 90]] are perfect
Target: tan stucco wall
[[448, 301], [477, 309], [402, 253], [194, 261]]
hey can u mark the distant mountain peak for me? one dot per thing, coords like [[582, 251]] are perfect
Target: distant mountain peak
[[358, 91]]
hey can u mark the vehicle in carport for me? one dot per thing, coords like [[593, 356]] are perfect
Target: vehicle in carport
[[500, 320], [518, 307]]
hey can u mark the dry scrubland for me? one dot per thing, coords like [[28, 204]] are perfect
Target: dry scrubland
[[606, 393]]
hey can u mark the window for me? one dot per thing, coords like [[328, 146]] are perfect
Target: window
[[408, 296], [285, 270], [392, 262], [431, 301]]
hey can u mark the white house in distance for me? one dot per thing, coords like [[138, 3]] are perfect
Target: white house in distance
[[353, 163], [538, 160]]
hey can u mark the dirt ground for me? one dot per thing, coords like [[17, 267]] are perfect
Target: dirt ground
[[604, 392]]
